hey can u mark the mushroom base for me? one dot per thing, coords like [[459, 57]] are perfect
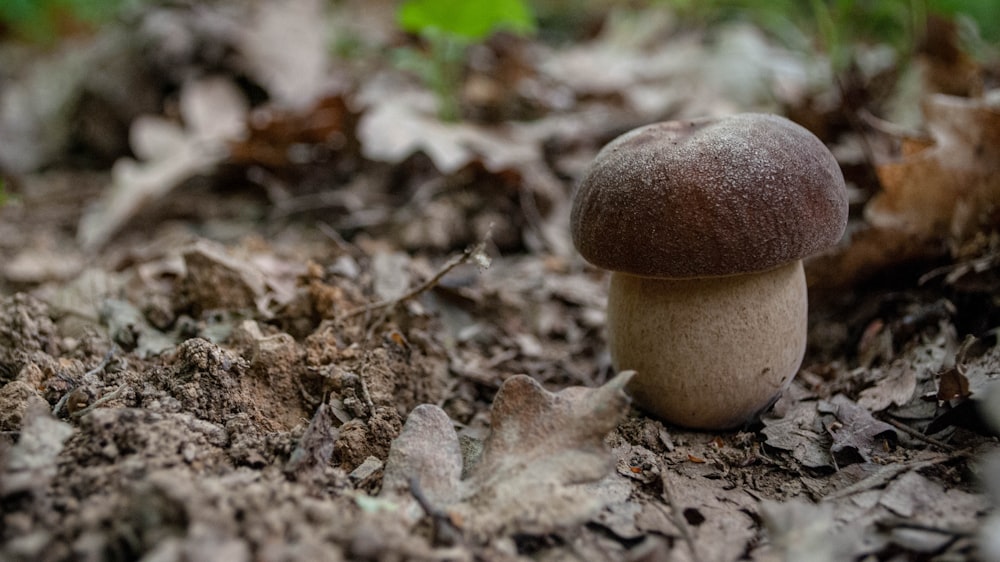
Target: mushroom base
[[709, 353]]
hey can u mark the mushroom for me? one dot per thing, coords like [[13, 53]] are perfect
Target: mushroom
[[704, 224]]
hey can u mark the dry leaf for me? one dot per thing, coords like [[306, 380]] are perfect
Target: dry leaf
[[859, 435], [926, 505], [280, 137], [967, 388], [953, 385], [214, 112], [894, 387], [739, 69], [285, 47], [400, 124], [537, 467], [942, 192], [717, 515], [215, 279], [315, 447], [799, 431]]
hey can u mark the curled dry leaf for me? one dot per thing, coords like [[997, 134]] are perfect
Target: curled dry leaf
[[799, 431], [402, 124], [969, 393], [859, 436], [533, 476], [214, 112], [285, 47], [214, 279], [942, 191]]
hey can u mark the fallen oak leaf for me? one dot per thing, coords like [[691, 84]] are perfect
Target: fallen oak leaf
[[934, 197], [534, 473], [284, 46], [798, 430], [214, 113], [858, 435], [940, 191], [895, 387], [405, 123]]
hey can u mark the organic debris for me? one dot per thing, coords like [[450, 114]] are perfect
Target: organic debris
[[533, 473], [259, 301]]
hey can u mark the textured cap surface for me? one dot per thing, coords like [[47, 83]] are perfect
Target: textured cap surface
[[709, 197]]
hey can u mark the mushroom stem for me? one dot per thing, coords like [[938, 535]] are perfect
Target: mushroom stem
[[709, 353]]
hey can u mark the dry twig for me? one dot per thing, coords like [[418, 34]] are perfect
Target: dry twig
[[102, 400], [917, 435], [889, 473], [474, 253], [100, 366]]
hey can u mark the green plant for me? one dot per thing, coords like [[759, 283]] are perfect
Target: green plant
[[840, 26], [4, 196], [448, 27], [42, 21]]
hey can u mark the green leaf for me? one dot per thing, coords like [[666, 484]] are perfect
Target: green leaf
[[39, 20], [472, 20], [982, 12]]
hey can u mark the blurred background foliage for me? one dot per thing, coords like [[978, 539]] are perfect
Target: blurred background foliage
[[837, 26], [45, 21], [833, 26]]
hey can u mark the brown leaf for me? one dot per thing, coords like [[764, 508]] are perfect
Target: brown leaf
[[933, 196], [285, 47], [543, 452], [799, 431], [277, 136], [214, 112], [953, 385], [859, 435], [938, 191], [895, 387]]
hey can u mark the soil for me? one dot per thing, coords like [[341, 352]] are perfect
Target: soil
[[258, 440]]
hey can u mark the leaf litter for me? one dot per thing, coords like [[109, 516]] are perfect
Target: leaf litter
[[211, 388]]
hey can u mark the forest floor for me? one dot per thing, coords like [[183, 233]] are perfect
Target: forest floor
[[233, 266]]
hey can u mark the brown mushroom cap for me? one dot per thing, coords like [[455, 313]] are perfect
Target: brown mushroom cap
[[709, 197]]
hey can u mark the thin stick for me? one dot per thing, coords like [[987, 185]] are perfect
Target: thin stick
[[473, 253], [901, 522], [102, 400], [104, 362], [65, 397], [62, 402], [888, 473], [917, 435]]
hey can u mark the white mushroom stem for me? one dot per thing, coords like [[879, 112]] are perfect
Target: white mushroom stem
[[709, 353]]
